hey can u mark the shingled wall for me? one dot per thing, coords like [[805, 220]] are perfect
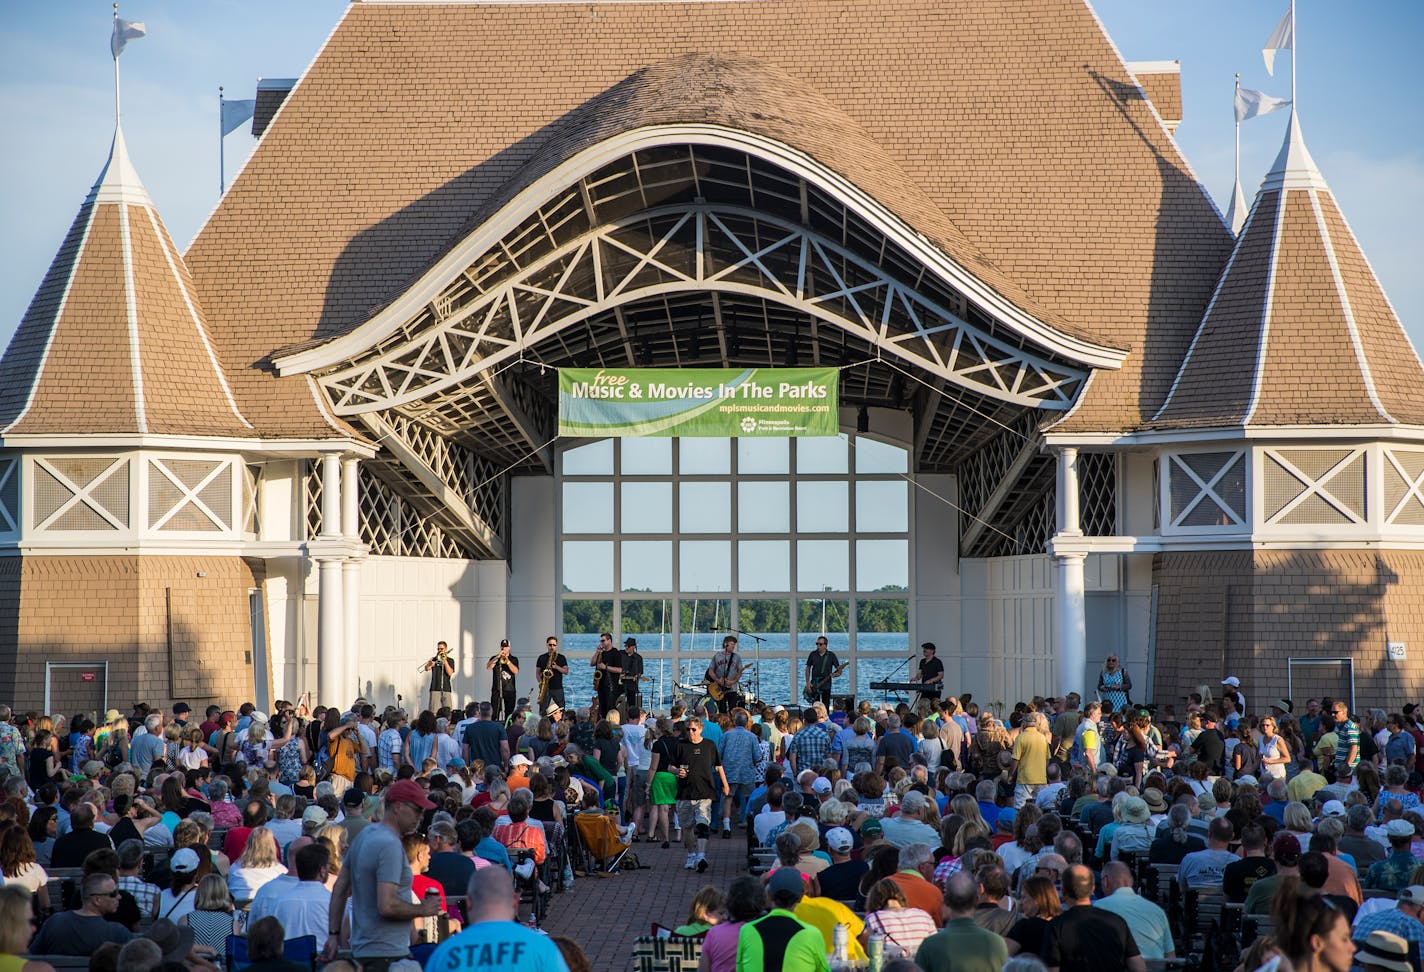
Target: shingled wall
[[1245, 613], [166, 633]]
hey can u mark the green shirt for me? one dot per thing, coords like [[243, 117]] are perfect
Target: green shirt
[[962, 946], [780, 941]]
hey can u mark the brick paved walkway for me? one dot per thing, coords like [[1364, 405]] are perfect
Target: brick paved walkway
[[605, 914]]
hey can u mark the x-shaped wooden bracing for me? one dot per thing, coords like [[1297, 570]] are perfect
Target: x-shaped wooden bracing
[[1316, 487], [1207, 489], [81, 494], [190, 495]]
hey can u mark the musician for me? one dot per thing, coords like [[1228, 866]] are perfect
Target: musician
[[502, 689], [607, 663], [441, 668], [725, 671], [822, 667], [930, 674], [632, 671], [557, 666]]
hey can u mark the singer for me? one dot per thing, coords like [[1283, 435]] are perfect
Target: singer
[[441, 669], [502, 691], [931, 674]]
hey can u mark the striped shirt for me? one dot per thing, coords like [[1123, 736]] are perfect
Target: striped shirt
[[1348, 733], [902, 927]]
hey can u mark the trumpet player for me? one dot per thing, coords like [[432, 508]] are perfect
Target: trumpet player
[[550, 670], [505, 668], [441, 669]]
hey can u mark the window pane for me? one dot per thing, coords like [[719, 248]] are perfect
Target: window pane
[[872, 456], [763, 456], [881, 506], [764, 507], [883, 626], [705, 507], [584, 619], [588, 565], [763, 618], [705, 565], [646, 507], [594, 459], [648, 619], [822, 507], [646, 456], [821, 454], [705, 457], [588, 507], [822, 565], [764, 565], [817, 614], [698, 616], [882, 565], [646, 565]]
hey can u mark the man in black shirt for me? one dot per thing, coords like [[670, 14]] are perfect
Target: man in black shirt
[[71, 849], [485, 739], [631, 667], [841, 880], [1209, 745], [607, 664], [1088, 939], [441, 669], [1254, 865], [557, 666], [822, 667], [699, 772], [505, 667], [930, 673]]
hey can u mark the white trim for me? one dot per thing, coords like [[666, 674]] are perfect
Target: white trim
[[131, 304], [395, 315], [321, 407], [1313, 487], [54, 324], [79, 495], [1345, 307], [273, 448], [1264, 337], [1237, 433], [1235, 541], [1414, 487], [1139, 68], [159, 232], [1211, 305], [10, 467]]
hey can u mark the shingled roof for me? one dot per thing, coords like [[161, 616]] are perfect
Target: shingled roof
[[1299, 331], [114, 342], [1016, 119]]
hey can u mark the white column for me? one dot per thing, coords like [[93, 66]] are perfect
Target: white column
[[351, 578], [331, 608], [1072, 639]]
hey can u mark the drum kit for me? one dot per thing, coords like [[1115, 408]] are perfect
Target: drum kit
[[696, 693]]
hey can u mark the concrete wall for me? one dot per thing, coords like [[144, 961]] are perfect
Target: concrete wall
[[1248, 613]]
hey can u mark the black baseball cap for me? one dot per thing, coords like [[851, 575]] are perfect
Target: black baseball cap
[[504, 642]]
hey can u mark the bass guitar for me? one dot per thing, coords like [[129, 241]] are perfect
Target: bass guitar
[[813, 693]]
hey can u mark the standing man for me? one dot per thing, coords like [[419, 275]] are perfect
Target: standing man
[[1029, 768], [493, 938], [822, 667], [725, 672], [930, 674], [698, 770], [557, 666], [375, 877], [739, 750], [485, 740], [1065, 729], [502, 687], [441, 668], [632, 672], [1347, 745], [607, 665]]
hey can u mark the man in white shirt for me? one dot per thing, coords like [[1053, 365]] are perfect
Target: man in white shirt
[[772, 815], [303, 908], [907, 827], [1052, 790], [638, 758]]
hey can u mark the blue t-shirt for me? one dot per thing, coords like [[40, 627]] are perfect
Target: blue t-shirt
[[497, 945]]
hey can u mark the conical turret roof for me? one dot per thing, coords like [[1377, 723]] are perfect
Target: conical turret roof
[[1299, 331], [114, 341]]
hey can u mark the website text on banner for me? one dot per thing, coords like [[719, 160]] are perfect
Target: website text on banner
[[746, 402]]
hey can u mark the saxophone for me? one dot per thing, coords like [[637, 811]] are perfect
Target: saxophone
[[544, 678]]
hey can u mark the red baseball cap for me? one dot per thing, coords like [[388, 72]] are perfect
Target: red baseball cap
[[408, 791]]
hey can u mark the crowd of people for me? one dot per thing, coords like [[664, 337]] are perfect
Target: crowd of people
[[940, 836]]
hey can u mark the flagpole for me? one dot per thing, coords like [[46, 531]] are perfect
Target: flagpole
[[222, 168], [1295, 52], [1237, 115], [116, 71]]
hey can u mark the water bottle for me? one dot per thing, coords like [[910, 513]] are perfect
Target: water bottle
[[875, 951], [838, 937]]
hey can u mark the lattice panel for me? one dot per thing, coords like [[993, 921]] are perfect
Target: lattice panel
[[81, 493], [1314, 487], [1097, 493], [10, 494], [251, 480], [311, 498], [1404, 487], [189, 495], [1207, 489], [477, 480], [391, 526], [982, 472]]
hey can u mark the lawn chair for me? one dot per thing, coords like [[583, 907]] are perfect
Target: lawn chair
[[301, 950], [599, 834]]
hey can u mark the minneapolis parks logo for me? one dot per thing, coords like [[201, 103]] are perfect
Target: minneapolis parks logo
[[749, 424]]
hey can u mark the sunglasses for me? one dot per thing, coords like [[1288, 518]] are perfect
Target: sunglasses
[[105, 894]]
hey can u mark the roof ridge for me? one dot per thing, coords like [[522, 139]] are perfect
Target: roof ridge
[[1263, 339]]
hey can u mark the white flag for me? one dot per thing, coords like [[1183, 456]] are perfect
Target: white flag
[[125, 31], [234, 113], [1282, 39], [1250, 103]]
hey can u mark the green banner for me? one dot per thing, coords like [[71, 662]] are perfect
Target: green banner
[[745, 402]]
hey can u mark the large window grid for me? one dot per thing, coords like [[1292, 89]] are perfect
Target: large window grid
[[666, 538]]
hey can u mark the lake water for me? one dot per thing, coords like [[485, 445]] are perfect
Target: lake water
[[877, 657]]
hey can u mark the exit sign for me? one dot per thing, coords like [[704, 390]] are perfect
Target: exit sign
[[88, 676]]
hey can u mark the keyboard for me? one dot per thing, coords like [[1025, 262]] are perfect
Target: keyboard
[[902, 687]]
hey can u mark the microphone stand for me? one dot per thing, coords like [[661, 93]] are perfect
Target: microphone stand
[[885, 693], [756, 656]]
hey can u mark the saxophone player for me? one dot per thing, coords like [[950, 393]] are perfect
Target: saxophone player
[[551, 669], [441, 669], [502, 690]]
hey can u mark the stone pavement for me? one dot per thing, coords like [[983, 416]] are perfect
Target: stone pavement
[[605, 914]]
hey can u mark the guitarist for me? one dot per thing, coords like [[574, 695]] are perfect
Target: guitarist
[[632, 672], [822, 667], [724, 675]]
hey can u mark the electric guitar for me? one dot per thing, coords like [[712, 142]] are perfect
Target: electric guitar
[[716, 691], [813, 694]]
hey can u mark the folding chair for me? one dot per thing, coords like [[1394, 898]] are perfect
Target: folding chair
[[302, 950], [529, 887], [600, 836]]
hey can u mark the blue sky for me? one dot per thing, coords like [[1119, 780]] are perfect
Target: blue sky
[[1359, 98]]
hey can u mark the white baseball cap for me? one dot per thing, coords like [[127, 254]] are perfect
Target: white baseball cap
[[1333, 808], [520, 760], [1231, 680], [839, 839]]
